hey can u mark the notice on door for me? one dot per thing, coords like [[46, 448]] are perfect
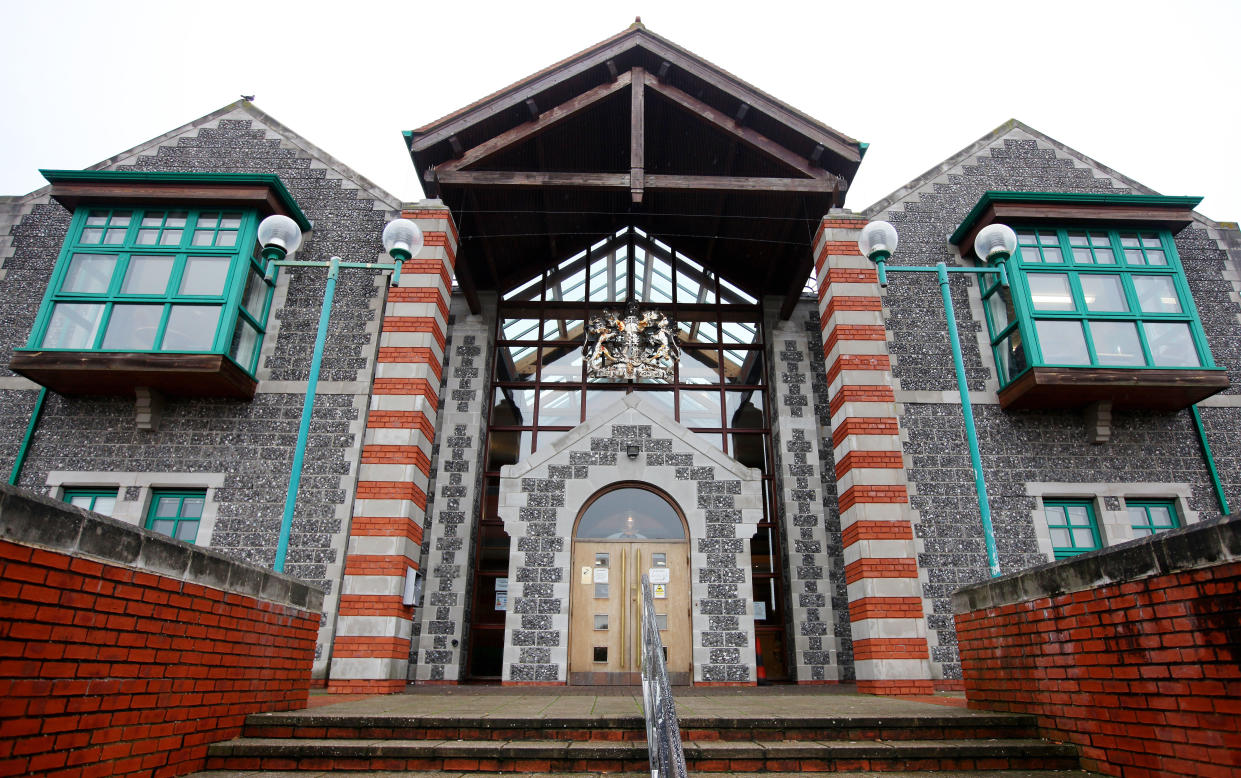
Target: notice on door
[[659, 591], [658, 575], [601, 575]]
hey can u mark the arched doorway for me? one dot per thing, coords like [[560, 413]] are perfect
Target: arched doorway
[[623, 532]]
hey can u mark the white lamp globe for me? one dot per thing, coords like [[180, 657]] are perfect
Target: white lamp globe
[[995, 240], [877, 237], [280, 232], [402, 235]]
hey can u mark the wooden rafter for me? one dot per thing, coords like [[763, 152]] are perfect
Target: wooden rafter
[[622, 181], [544, 122], [637, 133]]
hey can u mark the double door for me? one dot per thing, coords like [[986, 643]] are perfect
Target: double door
[[605, 609]]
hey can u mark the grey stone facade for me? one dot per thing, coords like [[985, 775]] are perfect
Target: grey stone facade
[[457, 492], [540, 501], [1025, 448], [250, 443]]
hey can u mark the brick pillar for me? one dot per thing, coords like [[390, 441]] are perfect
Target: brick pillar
[[881, 567], [374, 626]]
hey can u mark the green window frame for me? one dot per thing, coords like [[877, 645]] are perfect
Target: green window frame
[[1073, 526], [176, 513], [1150, 516], [161, 280], [1093, 297], [97, 500]]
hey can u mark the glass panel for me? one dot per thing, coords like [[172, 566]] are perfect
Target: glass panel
[[1052, 254], [1156, 294], [601, 652], [601, 591], [1050, 291], [203, 238], [1116, 343], [1161, 517], [601, 621], [597, 400], [256, 293], [1137, 514], [745, 409], [170, 238], [701, 408], [192, 507], [601, 559], [699, 366], [167, 506], [187, 531], [631, 513], [659, 560], [89, 273], [559, 407], [164, 526], [1062, 342], [1000, 306], [562, 364], [1142, 532], [661, 621], [1060, 537], [1105, 256], [749, 450], [96, 218], [761, 560], [1078, 515], [147, 274], [133, 327], [86, 501], [513, 407], [507, 447], [1013, 355], [245, 343], [1171, 344], [662, 401], [191, 328], [1083, 538], [91, 235], [104, 505], [73, 325], [1103, 292], [204, 275]]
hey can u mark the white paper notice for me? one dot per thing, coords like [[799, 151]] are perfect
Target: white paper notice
[[760, 611], [658, 575], [601, 575]]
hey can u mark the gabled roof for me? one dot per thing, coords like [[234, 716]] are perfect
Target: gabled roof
[[634, 131]]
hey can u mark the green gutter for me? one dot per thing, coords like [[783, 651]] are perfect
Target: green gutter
[[144, 177], [25, 447], [1206, 453], [993, 196]]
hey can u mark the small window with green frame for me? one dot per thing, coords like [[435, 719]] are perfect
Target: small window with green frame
[[92, 499], [158, 280], [176, 512], [1150, 516], [1073, 527], [1111, 298]]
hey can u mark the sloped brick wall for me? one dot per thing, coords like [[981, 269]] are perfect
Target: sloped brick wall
[[1133, 653], [123, 653]]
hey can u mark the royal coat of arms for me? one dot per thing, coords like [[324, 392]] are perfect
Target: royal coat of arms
[[637, 344]]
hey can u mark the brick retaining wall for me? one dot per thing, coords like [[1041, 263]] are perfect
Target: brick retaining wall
[[1133, 652], [125, 653]]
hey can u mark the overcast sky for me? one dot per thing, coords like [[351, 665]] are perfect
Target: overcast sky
[[1149, 89]]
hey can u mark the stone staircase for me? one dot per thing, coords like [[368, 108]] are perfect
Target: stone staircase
[[948, 739]]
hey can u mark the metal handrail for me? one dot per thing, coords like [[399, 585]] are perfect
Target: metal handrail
[[663, 732]]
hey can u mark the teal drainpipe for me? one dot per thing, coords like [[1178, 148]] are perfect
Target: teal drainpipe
[[1206, 451], [303, 431], [25, 448]]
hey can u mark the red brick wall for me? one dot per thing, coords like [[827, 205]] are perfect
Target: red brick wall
[[1144, 675], [108, 670]]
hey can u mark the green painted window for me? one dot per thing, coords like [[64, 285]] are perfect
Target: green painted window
[[97, 500], [158, 280], [1093, 298], [1073, 526], [176, 512], [1151, 516]]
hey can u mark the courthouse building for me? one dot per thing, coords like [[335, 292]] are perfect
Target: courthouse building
[[639, 339]]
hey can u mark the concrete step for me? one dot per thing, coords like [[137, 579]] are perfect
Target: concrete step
[[633, 728], [568, 756]]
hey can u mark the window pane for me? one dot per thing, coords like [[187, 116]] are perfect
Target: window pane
[[192, 507], [82, 501], [187, 531], [1063, 342], [1083, 538], [256, 293], [245, 343], [1060, 537], [1013, 355], [167, 506], [1156, 294], [133, 327], [1170, 344], [1079, 516], [104, 505], [1050, 291], [1161, 517], [1103, 292], [164, 526], [73, 325], [205, 275], [1000, 305], [559, 407], [1116, 343], [701, 408], [147, 274], [89, 273], [191, 327], [631, 513]]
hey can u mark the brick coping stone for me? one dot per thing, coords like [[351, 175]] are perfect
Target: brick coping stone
[[34, 520]]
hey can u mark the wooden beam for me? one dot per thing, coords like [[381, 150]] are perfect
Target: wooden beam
[[731, 126], [637, 133], [532, 108], [545, 121], [621, 181]]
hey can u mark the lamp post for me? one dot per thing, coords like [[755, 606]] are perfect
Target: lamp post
[[994, 244], [280, 236]]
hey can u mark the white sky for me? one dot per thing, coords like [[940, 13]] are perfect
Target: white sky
[[1149, 89]]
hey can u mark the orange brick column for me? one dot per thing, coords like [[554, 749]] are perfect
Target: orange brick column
[[374, 626], [881, 569]]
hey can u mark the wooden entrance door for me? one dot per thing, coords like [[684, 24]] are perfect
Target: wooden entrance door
[[605, 615], [622, 533]]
